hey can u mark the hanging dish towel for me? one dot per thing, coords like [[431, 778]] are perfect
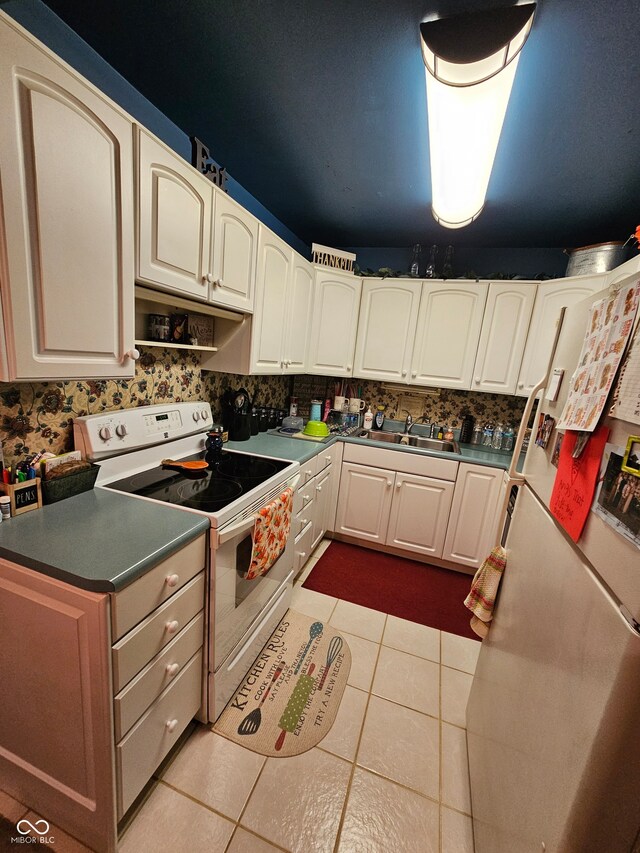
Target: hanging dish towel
[[484, 588], [270, 534]]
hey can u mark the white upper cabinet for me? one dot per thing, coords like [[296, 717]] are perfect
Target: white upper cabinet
[[447, 334], [175, 204], [504, 334], [298, 320], [334, 323], [386, 329], [275, 260], [235, 246], [192, 238], [551, 297], [66, 163]]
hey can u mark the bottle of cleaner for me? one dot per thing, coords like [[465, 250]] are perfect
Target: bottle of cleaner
[[367, 423], [379, 417]]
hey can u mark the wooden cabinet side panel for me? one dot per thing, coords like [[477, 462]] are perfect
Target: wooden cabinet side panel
[[56, 731]]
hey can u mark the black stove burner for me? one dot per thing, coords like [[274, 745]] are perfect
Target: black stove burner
[[247, 468], [228, 476], [213, 496]]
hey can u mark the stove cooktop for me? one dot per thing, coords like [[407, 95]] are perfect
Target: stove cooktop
[[227, 477]]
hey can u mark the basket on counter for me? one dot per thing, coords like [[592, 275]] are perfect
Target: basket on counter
[[67, 487]]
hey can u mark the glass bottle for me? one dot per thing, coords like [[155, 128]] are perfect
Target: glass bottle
[[430, 271], [414, 270], [476, 437]]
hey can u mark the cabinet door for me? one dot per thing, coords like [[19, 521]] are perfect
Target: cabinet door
[[56, 733], [473, 522], [66, 160], [174, 220], [364, 502], [272, 282], [551, 297], [235, 247], [322, 501], [504, 333], [387, 329], [334, 323], [299, 300], [419, 514], [447, 335]]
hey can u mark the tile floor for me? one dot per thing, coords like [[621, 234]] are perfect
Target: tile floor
[[391, 775]]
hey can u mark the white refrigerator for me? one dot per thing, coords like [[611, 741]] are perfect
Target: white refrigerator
[[553, 720]]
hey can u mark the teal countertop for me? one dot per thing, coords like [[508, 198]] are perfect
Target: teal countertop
[[99, 540], [299, 449]]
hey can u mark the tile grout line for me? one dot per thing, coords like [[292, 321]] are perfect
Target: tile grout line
[[355, 757]]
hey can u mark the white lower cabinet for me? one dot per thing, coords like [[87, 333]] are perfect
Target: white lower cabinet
[[364, 502], [419, 514], [81, 735], [426, 505], [473, 521]]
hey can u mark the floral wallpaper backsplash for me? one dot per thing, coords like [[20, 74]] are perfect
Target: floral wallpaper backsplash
[[39, 415], [446, 408]]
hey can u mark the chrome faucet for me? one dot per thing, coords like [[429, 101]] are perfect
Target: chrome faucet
[[408, 422]]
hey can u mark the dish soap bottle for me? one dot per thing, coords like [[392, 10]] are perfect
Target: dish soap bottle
[[368, 419], [379, 417]]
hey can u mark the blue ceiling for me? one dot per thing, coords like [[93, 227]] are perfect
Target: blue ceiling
[[319, 110]]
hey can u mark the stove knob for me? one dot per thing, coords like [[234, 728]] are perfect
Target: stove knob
[[204, 414], [121, 430], [104, 433], [196, 416]]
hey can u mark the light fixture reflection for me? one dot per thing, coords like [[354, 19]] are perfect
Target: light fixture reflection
[[468, 88]]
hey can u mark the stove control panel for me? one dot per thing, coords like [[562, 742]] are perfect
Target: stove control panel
[[113, 433]]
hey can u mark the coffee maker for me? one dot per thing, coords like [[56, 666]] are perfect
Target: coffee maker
[[236, 414]]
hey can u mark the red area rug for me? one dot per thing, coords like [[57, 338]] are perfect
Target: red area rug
[[405, 588]]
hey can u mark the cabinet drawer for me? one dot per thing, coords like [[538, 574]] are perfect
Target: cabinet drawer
[[302, 550], [134, 650], [308, 470], [324, 458], [133, 701], [302, 518], [399, 460], [142, 750], [135, 601]]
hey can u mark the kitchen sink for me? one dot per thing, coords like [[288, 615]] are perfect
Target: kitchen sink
[[422, 442], [433, 444]]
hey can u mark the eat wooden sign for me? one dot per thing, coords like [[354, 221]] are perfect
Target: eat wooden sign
[[201, 159]]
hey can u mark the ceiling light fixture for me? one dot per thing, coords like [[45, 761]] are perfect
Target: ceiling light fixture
[[471, 62]]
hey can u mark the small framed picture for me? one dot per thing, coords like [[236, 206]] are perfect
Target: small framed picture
[[631, 460]]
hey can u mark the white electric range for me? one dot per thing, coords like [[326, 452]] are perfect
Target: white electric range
[[129, 445]]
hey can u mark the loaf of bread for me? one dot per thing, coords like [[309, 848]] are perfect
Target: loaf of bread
[[66, 468]]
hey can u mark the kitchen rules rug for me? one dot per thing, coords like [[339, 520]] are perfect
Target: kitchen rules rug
[[290, 697], [404, 588]]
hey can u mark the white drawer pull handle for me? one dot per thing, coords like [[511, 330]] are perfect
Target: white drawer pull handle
[[305, 497], [172, 668], [172, 580], [303, 522], [302, 553], [318, 488], [171, 725], [172, 627], [328, 458], [308, 473], [398, 485]]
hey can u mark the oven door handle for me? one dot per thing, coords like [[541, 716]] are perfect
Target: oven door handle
[[235, 529], [247, 523]]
